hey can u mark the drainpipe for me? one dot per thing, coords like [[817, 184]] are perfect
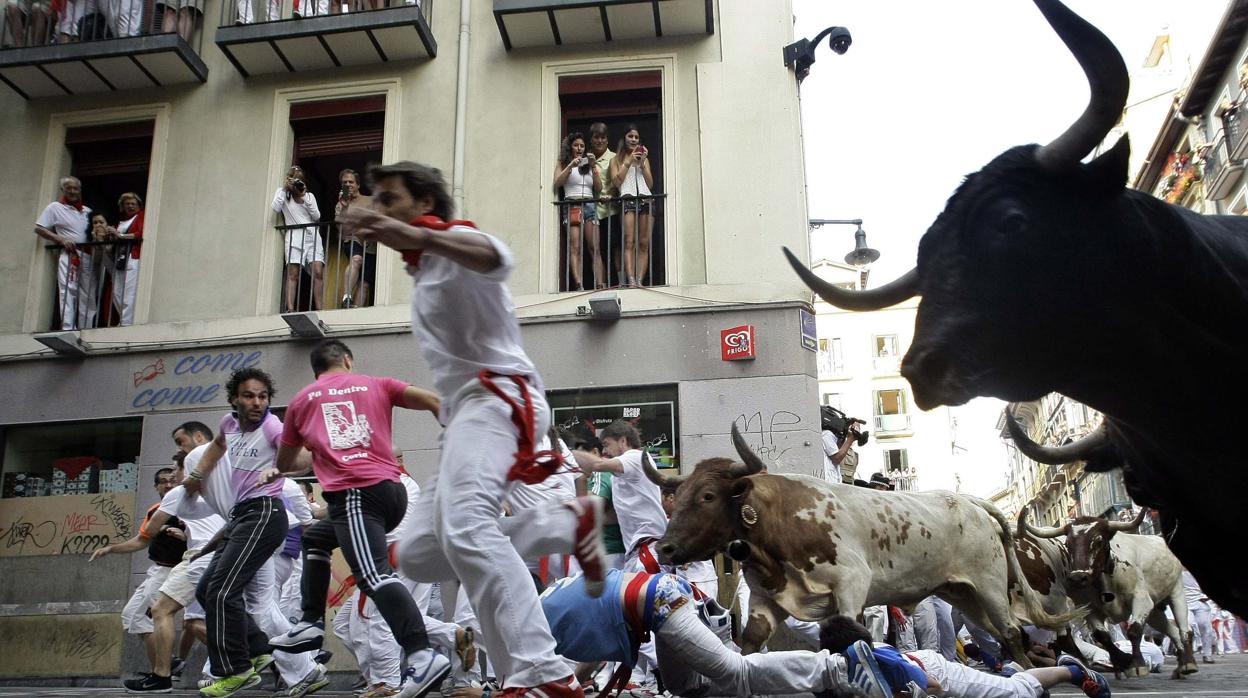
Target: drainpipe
[[461, 109]]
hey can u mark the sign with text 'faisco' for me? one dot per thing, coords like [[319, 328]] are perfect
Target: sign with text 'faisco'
[[194, 380]]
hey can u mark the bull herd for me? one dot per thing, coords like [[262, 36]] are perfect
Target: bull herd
[[1043, 274]]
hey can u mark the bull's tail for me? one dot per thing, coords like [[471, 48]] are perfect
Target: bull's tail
[[1031, 600]]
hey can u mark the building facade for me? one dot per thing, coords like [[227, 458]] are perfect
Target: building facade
[[718, 330]]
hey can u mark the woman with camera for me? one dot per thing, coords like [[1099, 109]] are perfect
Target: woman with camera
[[630, 174], [578, 184], [304, 248]]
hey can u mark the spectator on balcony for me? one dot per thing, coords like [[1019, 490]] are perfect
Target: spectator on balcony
[[32, 15], [578, 186], [361, 260], [65, 222], [70, 15], [247, 15], [129, 233], [630, 173], [608, 209], [304, 248], [121, 18], [179, 15]]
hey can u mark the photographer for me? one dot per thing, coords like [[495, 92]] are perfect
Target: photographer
[[363, 263], [303, 244], [840, 461]]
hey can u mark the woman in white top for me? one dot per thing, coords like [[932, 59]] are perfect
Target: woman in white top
[[578, 185], [630, 174]]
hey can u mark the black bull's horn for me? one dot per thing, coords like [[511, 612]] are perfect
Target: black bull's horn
[[887, 295], [750, 465], [1082, 449]]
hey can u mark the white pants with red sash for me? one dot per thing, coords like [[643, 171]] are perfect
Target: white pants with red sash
[[460, 534]]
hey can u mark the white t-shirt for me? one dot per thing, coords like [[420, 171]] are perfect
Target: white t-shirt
[[464, 321], [298, 511], [1191, 589], [294, 212], [202, 521], [638, 502], [409, 515], [558, 487], [66, 221]]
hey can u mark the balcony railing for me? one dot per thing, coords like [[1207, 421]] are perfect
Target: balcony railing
[[888, 365], [1236, 133], [95, 285], [1222, 173], [615, 251], [319, 270], [892, 423], [99, 46], [291, 36], [829, 367]]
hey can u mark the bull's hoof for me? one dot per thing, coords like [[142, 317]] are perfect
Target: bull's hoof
[[1188, 668], [1178, 673], [1137, 671]]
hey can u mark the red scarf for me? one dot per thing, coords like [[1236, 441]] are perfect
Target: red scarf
[[66, 202], [412, 257]]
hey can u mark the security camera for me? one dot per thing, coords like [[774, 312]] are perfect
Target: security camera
[[840, 40], [800, 55]]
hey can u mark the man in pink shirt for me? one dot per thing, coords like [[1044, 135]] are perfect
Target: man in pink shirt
[[344, 419]]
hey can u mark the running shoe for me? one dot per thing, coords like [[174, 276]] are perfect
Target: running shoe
[[590, 552], [564, 688], [262, 662], [425, 670], [176, 665], [865, 679], [316, 679], [303, 637], [149, 683], [1093, 685], [230, 685]]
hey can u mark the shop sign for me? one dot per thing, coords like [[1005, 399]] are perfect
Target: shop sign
[[165, 382], [810, 333], [737, 343], [655, 420]]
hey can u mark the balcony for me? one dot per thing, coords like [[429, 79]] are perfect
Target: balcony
[[892, 424], [1222, 174], [622, 250], [527, 23], [321, 271], [886, 365], [1236, 136], [272, 39], [94, 286], [105, 54]]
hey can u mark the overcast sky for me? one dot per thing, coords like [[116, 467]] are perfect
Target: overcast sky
[[930, 92]]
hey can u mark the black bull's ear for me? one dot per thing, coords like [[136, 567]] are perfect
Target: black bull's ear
[[741, 487], [1107, 173]]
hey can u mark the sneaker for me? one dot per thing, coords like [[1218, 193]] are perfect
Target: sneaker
[[1093, 685], [425, 670], [304, 637], [262, 662], [466, 648], [176, 665], [380, 690], [323, 657], [228, 686], [360, 685], [564, 688], [590, 552], [863, 675], [150, 683], [316, 679]]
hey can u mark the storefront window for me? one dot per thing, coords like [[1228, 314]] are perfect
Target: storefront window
[[652, 409], [42, 460]]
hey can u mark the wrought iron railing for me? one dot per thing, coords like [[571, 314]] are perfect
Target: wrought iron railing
[[76, 21], [255, 11], [94, 286], [320, 269], [608, 243]]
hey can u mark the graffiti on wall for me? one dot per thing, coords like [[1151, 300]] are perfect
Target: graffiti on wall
[[65, 525]]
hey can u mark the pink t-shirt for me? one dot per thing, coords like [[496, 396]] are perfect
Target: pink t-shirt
[[344, 419]]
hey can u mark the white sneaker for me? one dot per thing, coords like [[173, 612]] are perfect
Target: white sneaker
[[425, 670], [304, 637]]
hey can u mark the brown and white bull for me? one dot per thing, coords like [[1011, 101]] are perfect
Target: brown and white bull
[[818, 549], [1122, 578]]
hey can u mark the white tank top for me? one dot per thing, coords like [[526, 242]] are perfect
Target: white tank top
[[579, 186], [634, 183]]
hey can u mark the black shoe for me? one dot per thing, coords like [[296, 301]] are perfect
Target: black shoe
[[323, 657], [149, 684], [176, 665]]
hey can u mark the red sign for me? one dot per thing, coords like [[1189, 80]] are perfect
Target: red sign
[[737, 343]]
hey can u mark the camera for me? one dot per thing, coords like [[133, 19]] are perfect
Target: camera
[[345, 192], [299, 186], [835, 421], [584, 166]]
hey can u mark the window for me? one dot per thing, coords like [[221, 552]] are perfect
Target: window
[[625, 243], [891, 413], [71, 458], [831, 357], [884, 345], [652, 409], [832, 400], [895, 460]]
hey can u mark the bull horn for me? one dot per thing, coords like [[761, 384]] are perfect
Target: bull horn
[[1045, 532], [1129, 525], [750, 463], [1107, 78], [656, 477], [887, 295], [1054, 455]]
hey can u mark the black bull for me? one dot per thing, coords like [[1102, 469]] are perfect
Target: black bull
[[1044, 274]]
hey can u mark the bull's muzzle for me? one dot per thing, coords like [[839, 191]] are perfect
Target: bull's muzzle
[[1079, 578]]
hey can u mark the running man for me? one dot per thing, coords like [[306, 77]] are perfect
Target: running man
[[494, 410], [344, 419]]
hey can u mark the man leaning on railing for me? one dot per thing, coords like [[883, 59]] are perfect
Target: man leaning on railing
[[65, 222]]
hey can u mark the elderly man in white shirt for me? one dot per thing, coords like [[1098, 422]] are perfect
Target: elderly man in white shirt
[[65, 222]]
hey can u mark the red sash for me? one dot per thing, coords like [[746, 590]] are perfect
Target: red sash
[[530, 467]]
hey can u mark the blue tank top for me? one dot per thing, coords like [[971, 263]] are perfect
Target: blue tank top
[[588, 629]]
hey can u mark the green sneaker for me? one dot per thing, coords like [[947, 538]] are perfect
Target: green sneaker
[[230, 685], [259, 664]]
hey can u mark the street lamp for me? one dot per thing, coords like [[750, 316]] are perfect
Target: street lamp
[[800, 55], [861, 255]]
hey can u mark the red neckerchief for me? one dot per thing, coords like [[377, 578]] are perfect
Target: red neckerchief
[[66, 202], [412, 257]]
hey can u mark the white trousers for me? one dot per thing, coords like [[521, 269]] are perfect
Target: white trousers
[[933, 627], [460, 535], [261, 599], [961, 681], [125, 286], [694, 661], [246, 15], [289, 572], [76, 294], [1203, 626], [134, 618], [124, 17]]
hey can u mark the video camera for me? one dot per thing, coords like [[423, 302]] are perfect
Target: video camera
[[835, 421]]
